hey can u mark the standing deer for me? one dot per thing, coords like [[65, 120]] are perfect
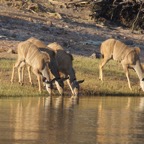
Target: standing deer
[[29, 54], [128, 56], [65, 66]]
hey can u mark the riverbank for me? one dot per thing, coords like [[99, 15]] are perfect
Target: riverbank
[[115, 82]]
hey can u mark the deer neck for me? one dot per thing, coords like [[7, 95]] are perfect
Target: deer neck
[[54, 69], [72, 75], [138, 69], [45, 73]]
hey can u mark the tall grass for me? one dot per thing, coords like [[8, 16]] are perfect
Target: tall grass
[[115, 82]]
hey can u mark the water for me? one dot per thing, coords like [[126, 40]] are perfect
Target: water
[[57, 120]]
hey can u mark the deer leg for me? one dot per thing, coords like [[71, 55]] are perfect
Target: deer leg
[[36, 72], [21, 73], [13, 70], [22, 76], [29, 74], [125, 67], [12, 77], [59, 88], [101, 67], [68, 82]]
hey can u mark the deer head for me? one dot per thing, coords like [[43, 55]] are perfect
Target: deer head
[[49, 84]]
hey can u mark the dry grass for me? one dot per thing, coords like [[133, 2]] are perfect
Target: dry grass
[[115, 82]]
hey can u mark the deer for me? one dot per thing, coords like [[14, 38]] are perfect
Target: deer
[[39, 61], [39, 44], [53, 63], [65, 67], [126, 55]]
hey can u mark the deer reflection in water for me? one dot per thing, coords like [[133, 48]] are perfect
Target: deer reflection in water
[[60, 102], [32, 115], [119, 119], [66, 120]]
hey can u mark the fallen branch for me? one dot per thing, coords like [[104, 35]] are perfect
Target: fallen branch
[[81, 3]]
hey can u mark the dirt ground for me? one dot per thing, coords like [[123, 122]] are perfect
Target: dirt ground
[[72, 28]]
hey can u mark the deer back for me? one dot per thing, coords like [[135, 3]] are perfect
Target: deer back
[[106, 48], [64, 59], [55, 46], [26, 50], [121, 51], [115, 49], [32, 55], [37, 42]]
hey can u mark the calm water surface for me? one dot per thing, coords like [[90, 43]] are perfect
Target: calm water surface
[[57, 120]]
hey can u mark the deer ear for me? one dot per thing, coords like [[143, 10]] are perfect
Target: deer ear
[[80, 81], [137, 49]]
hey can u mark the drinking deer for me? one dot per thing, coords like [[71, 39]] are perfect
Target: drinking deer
[[128, 56], [65, 66], [29, 54], [52, 65]]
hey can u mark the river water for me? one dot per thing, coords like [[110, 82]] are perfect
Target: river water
[[57, 120]]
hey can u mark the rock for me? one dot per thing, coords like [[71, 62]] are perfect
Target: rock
[[129, 42], [91, 42], [93, 56], [49, 23], [96, 55], [2, 37]]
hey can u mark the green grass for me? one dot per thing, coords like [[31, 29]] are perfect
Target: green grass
[[14, 89], [114, 84]]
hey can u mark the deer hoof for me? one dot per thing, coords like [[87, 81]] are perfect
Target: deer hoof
[[100, 79]]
